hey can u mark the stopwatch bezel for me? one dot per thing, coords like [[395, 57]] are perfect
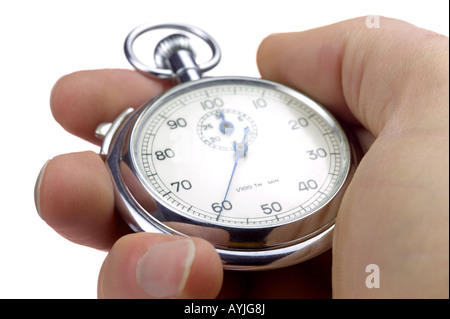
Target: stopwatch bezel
[[263, 243]]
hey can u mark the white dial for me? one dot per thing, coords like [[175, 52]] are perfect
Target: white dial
[[239, 153]]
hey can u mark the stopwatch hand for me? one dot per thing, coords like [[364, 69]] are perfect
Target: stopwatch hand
[[240, 149], [228, 188]]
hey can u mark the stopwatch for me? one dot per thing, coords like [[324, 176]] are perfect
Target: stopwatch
[[256, 168]]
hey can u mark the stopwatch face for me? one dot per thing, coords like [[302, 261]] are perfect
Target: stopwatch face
[[246, 155]]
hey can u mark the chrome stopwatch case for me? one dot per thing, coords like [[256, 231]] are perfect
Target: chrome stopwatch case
[[256, 168]]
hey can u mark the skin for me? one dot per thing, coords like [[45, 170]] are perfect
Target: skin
[[389, 83]]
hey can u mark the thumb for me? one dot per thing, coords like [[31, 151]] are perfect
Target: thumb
[[147, 265], [367, 74]]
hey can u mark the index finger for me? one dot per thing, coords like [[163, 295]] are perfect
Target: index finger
[[82, 100]]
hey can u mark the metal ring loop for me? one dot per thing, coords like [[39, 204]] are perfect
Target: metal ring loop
[[167, 73]]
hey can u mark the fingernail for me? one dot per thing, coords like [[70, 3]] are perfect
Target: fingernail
[[164, 269], [37, 189]]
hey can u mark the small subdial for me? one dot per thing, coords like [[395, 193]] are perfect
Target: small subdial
[[220, 129]]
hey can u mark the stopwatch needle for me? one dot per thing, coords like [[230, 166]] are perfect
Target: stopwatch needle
[[240, 150]]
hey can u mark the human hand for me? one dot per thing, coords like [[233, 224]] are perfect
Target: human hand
[[394, 213], [394, 82]]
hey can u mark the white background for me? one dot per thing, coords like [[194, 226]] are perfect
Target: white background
[[43, 40]]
